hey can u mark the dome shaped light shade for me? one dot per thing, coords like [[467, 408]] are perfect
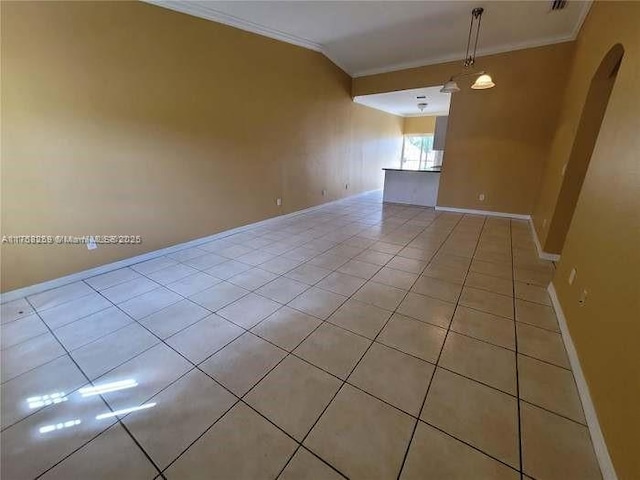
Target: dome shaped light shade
[[450, 87], [483, 82]]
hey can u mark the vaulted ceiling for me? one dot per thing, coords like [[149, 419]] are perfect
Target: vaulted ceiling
[[366, 37]]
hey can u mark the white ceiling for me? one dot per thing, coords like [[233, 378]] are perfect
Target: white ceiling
[[405, 103], [366, 37]]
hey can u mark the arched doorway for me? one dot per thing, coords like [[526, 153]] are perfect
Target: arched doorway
[[576, 167]]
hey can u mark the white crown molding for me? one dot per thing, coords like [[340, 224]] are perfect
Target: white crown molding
[[554, 257], [597, 438], [488, 213], [459, 56], [209, 13], [92, 272]]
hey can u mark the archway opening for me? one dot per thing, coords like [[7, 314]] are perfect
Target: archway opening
[[584, 142]]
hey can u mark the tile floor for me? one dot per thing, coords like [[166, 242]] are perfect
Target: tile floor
[[359, 340]]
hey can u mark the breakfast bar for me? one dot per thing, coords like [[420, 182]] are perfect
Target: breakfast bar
[[412, 187]]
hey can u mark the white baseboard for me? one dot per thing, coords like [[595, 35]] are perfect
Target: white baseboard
[[597, 438], [554, 257], [92, 272], [484, 212]]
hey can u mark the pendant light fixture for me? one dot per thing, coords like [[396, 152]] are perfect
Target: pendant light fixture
[[484, 80]]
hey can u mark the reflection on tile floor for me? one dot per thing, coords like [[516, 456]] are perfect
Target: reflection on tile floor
[[358, 340]]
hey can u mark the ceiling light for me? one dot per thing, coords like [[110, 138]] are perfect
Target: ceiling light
[[450, 87], [483, 82]]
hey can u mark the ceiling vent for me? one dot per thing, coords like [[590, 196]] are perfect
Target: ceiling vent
[[558, 4]]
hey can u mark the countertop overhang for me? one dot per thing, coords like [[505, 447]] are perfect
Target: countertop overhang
[[413, 171]]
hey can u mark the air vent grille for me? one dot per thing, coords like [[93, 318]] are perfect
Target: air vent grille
[[558, 4]]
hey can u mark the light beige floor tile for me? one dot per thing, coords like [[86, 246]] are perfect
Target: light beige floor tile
[[76, 334], [474, 413], [361, 436], [58, 376], [240, 446], [537, 315], [29, 354], [280, 265], [487, 302], [193, 284], [395, 278], [550, 387], [152, 371], [15, 310], [532, 293], [183, 411], [253, 279], [172, 273], [502, 270], [410, 265], [249, 310], [100, 356], [57, 296], [306, 466], [174, 318], [32, 450], [113, 454], [127, 290], [317, 302], [383, 296], [436, 455], [413, 337], [242, 363], [542, 344], [341, 283], [556, 448], [308, 274], [447, 291], [490, 283], [22, 329], [427, 309], [228, 269], [333, 349], [486, 363], [68, 312], [386, 247], [204, 262], [204, 338], [187, 254], [153, 265], [150, 302], [360, 318], [293, 395], [373, 257], [219, 296], [255, 257], [445, 273], [109, 279], [394, 377], [359, 268], [286, 328], [535, 277], [484, 326], [282, 289], [328, 261], [234, 251]]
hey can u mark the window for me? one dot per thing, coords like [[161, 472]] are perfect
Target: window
[[418, 153]]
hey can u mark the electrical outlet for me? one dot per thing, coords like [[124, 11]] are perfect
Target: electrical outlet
[[481, 197], [91, 243], [324, 193], [583, 298], [278, 201], [572, 276]]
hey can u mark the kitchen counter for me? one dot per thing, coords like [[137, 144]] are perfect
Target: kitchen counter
[[411, 187]]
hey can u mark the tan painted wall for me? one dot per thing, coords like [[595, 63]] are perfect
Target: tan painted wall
[[419, 125], [498, 139], [126, 118], [603, 241]]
